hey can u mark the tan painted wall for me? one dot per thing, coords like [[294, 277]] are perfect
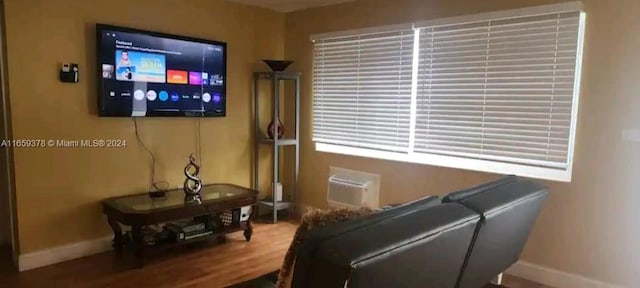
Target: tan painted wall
[[588, 227], [59, 190], [5, 196]]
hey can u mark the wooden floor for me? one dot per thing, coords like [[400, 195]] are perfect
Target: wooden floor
[[211, 266], [515, 282]]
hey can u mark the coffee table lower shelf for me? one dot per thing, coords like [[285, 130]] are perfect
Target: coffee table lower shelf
[[141, 251], [216, 234]]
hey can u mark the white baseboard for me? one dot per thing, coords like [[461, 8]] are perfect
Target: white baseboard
[[63, 253], [554, 278]]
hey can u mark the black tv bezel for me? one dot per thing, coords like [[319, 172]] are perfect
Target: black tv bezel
[[101, 27]]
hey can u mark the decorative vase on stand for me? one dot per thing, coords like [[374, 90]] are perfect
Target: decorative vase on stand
[[277, 65], [271, 129]]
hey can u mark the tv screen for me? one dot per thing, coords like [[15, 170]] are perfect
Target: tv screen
[[144, 73]]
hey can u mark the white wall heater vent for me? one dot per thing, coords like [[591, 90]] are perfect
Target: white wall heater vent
[[353, 189]]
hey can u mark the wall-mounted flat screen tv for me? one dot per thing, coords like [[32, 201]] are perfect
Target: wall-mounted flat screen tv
[[143, 73]]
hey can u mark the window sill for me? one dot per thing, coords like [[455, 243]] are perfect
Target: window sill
[[453, 162]]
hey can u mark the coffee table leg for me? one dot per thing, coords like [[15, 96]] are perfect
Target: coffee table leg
[[249, 231], [138, 244], [118, 239]]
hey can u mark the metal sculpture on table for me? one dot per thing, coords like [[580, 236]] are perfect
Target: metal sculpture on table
[[192, 184]]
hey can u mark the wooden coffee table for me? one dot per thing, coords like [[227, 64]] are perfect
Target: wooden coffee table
[[141, 211]]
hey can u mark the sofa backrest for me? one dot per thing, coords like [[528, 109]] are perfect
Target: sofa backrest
[[509, 208], [468, 192], [306, 254], [425, 248]]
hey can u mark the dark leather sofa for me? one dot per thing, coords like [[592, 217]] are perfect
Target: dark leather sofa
[[461, 240]]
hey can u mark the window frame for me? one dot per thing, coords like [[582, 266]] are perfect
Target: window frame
[[461, 162]]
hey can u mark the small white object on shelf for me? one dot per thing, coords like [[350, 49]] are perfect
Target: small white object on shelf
[[278, 192]]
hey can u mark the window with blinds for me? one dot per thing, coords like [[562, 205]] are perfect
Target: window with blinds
[[495, 92], [499, 89], [362, 90]]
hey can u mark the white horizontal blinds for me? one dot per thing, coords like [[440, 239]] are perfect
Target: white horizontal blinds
[[362, 90], [498, 90]]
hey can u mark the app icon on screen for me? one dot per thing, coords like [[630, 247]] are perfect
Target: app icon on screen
[[163, 96], [139, 66], [195, 78], [126, 73], [216, 80], [205, 78], [206, 97], [152, 95], [138, 95], [107, 71], [217, 98], [175, 97], [177, 77]]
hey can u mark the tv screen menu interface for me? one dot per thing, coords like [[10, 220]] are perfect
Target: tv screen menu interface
[[149, 75]]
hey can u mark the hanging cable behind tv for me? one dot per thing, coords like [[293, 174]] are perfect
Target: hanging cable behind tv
[[159, 192]]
